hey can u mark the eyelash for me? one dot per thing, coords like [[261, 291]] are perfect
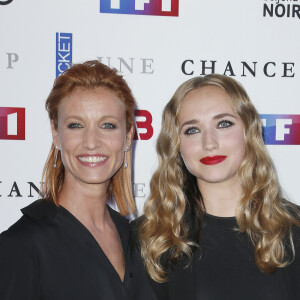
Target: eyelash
[[108, 126], [74, 126], [104, 126], [189, 130], [193, 130], [228, 123]]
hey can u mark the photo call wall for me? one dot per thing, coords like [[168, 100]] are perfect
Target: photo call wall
[[155, 45]]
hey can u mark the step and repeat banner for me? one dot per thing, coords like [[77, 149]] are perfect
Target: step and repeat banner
[[156, 45]]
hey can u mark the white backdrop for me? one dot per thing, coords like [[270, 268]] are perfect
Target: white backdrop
[[150, 51]]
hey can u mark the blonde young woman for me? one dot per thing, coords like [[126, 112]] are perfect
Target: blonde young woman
[[216, 225], [70, 244]]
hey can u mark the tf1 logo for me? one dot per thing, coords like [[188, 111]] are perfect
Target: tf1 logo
[[281, 129], [12, 123], [143, 125], [140, 7]]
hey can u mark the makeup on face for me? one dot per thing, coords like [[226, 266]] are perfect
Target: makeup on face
[[91, 135], [212, 142], [213, 160]]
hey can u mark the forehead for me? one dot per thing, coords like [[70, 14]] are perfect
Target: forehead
[[205, 101], [92, 101]]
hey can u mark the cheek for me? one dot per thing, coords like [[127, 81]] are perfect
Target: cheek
[[189, 152], [238, 146], [189, 146], [116, 143], [68, 141]]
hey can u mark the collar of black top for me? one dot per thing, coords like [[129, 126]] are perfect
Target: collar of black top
[[40, 208]]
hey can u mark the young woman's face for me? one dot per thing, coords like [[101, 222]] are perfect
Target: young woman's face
[[91, 135], [212, 136]]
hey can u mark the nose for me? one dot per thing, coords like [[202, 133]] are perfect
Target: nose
[[91, 138], [209, 140]]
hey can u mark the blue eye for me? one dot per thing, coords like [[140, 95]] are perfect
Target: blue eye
[[224, 124], [191, 130], [108, 126], [74, 125]]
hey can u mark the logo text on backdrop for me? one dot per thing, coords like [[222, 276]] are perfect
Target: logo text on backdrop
[[12, 58], [243, 68], [5, 2], [143, 125], [63, 52], [129, 65], [12, 123], [281, 9], [20, 189], [281, 129], [140, 7]]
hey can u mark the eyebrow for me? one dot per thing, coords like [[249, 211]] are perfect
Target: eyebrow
[[220, 116], [216, 117], [190, 122], [81, 119]]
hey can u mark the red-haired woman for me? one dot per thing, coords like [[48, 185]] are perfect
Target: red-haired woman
[[70, 244]]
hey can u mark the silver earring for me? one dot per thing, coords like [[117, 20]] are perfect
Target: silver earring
[[125, 157], [56, 152]]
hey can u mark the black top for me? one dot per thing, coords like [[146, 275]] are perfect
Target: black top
[[140, 283], [49, 254], [223, 268]]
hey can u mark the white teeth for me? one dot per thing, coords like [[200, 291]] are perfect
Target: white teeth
[[92, 159]]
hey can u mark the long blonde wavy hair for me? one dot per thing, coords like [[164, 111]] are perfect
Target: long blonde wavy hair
[[173, 212], [89, 75]]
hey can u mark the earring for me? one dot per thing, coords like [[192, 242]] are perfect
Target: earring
[[125, 157], [56, 152]]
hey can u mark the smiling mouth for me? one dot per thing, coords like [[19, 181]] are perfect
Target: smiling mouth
[[213, 160], [92, 159]]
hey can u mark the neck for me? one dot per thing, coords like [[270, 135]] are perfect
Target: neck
[[221, 199], [87, 202]]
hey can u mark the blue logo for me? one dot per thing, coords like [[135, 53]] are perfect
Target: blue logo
[[63, 52], [281, 129], [140, 7]]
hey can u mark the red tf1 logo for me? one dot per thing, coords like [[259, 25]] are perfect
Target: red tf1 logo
[[143, 125], [12, 123]]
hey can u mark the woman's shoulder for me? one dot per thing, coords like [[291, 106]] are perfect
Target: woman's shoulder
[[26, 228], [134, 232], [117, 217], [137, 222], [294, 211]]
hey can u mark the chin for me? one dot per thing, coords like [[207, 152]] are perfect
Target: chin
[[213, 179], [93, 180]]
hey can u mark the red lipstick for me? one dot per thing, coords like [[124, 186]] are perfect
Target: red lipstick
[[212, 160]]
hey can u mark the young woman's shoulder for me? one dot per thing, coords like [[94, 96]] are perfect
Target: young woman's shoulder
[[135, 226]]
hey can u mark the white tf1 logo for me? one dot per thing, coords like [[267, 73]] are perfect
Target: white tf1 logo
[[166, 5]]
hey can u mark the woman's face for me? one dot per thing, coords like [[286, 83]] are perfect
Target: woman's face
[[211, 136], [91, 135]]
